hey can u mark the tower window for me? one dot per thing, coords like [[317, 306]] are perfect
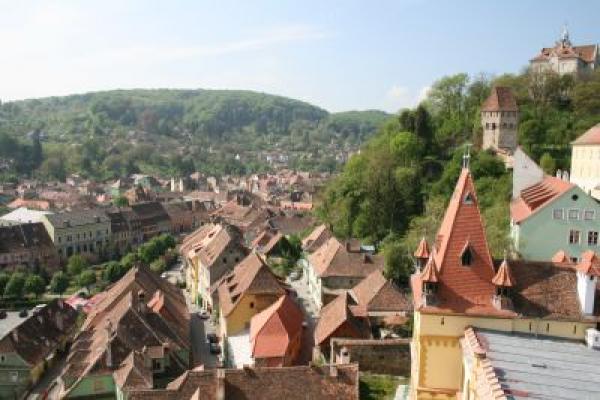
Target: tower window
[[466, 258], [468, 198]]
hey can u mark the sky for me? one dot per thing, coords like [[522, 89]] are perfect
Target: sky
[[339, 55]]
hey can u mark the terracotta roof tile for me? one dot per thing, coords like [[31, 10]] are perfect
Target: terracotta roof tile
[[591, 136], [500, 99], [251, 275], [341, 313], [423, 249], [589, 264], [334, 259], [274, 329], [379, 294], [316, 238], [429, 273], [537, 196], [503, 276]]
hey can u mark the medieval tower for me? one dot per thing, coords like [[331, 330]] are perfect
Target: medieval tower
[[500, 119]]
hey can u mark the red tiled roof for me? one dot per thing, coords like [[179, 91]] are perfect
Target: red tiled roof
[[591, 136], [500, 99], [338, 313], [590, 264], [503, 276], [537, 196], [586, 53], [273, 329], [334, 259], [429, 273], [379, 294], [423, 249], [461, 289]]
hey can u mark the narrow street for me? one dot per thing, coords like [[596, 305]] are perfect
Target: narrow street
[[310, 310], [200, 348]]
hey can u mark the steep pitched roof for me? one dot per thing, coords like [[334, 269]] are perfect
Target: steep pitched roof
[[423, 249], [538, 196], [42, 333], [251, 275], [290, 383], [586, 53], [123, 322], [316, 238], [429, 273], [591, 136], [209, 242], [273, 329], [504, 276], [462, 287], [334, 259], [266, 241], [500, 99], [341, 310], [379, 294]]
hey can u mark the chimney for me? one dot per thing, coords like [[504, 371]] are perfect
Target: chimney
[[586, 291], [142, 306], [109, 336], [15, 335], [220, 395], [333, 371]]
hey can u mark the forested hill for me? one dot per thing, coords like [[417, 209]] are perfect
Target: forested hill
[[214, 114], [169, 131]]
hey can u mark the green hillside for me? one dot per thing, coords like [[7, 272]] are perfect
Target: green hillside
[[196, 129]]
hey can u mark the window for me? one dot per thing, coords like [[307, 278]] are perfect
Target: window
[[558, 213], [574, 214], [466, 257], [251, 305], [589, 215], [14, 376], [156, 365], [574, 260], [574, 236], [593, 238], [468, 198]]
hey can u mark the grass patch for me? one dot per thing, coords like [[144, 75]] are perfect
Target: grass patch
[[379, 387]]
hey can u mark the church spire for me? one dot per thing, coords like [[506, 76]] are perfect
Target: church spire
[[565, 41]]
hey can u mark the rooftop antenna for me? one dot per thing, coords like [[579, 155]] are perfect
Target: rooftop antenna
[[467, 155]]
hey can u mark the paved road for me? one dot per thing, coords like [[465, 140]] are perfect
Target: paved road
[[310, 310], [200, 348]]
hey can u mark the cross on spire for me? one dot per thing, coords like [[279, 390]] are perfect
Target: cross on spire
[[467, 155]]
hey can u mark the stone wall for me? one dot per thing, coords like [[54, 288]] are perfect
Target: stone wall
[[380, 356]]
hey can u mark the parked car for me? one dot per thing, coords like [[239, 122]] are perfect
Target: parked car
[[204, 314], [212, 338], [215, 348]]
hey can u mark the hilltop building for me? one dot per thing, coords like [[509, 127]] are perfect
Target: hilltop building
[[564, 58], [585, 161], [500, 120], [461, 287]]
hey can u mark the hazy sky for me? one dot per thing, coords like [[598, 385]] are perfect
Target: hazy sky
[[339, 55]]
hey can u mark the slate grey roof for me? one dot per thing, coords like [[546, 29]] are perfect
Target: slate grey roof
[[77, 218], [542, 367]]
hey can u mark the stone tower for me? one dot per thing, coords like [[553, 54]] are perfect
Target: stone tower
[[500, 120]]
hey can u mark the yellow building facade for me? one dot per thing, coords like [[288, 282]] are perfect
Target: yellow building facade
[[459, 286]]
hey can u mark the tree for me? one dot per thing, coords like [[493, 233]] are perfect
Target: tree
[[398, 264], [548, 163], [129, 261], [113, 271], [4, 278], [35, 285], [36, 150], [59, 283], [121, 201], [15, 285], [86, 279], [158, 265], [76, 265]]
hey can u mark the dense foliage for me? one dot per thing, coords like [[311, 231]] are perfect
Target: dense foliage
[[107, 134], [396, 190]]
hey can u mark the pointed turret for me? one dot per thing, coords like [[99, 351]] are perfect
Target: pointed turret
[[503, 277], [465, 268], [422, 254], [429, 279]]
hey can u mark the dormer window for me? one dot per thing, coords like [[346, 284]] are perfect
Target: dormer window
[[468, 199], [502, 291], [466, 258]]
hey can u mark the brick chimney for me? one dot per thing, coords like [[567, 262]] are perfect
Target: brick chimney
[[142, 307], [220, 395]]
